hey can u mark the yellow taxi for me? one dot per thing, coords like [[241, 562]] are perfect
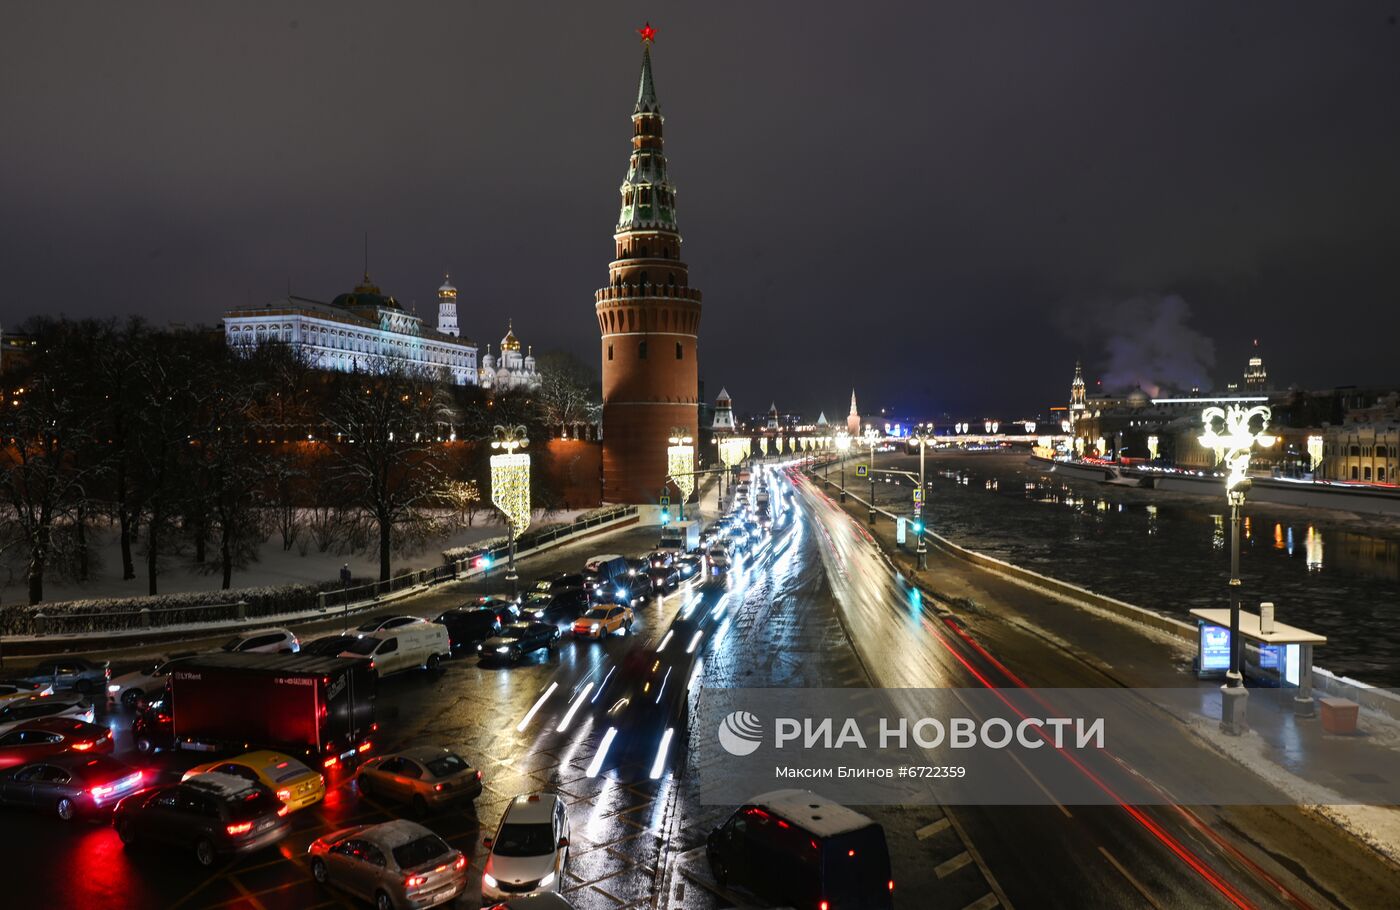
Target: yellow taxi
[[604, 620], [295, 784]]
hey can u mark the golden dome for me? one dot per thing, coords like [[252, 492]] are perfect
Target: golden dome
[[510, 342]]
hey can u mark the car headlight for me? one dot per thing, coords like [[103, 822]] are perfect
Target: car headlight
[[547, 881], [488, 880], [621, 592], [593, 627], [114, 688], [503, 649]]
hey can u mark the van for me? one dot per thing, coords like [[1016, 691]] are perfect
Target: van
[[794, 848], [420, 645]]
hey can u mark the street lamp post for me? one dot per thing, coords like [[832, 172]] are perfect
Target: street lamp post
[[923, 435], [1229, 433], [871, 437], [843, 445], [510, 490], [680, 463]]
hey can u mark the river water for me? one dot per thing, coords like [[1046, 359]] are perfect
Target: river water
[[1170, 552]]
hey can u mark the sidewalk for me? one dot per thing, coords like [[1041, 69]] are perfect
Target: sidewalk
[[1076, 645]]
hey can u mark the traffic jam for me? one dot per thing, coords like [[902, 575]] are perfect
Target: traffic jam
[[203, 758]]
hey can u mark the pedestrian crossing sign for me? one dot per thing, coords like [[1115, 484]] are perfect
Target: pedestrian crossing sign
[[665, 500], [918, 495], [862, 470]]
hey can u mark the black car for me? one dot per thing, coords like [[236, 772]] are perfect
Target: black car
[[663, 578], [154, 729], [566, 604], [216, 814], [330, 646], [558, 582], [689, 566], [84, 676], [69, 785], [518, 639], [507, 607], [469, 627]]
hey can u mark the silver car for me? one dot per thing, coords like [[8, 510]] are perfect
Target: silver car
[[399, 865], [425, 777]]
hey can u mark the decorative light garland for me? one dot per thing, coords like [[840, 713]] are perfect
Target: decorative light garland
[[510, 478], [1229, 434]]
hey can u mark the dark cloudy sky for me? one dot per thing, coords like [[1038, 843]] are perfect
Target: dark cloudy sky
[[940, 203]]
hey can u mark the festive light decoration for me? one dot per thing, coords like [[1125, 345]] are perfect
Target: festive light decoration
[[732, 450], [680, 461], [763, 445], [1230, 435], [1315, 451], [510, 478], [1152, 447]]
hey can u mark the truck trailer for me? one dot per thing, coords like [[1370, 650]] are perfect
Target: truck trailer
[[318, 708]]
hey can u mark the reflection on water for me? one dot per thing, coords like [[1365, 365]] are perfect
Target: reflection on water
[[1171, 554]]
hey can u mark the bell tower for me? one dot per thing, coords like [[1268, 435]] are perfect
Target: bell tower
[[648, 316]]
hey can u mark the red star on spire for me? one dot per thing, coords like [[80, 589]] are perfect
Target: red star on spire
[[647, 32]]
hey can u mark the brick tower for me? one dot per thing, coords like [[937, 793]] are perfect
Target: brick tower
[[649, 317]]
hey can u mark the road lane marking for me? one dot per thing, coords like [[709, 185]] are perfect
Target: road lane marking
[[928, 831], [948, 867], [1137, 885], [985, 902]]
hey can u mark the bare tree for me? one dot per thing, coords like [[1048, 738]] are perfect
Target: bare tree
[[386, 456], [568, 394]]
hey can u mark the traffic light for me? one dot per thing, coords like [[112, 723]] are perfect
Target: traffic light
[[918, 526], [665, 516]]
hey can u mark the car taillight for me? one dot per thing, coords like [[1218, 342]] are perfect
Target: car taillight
[[284, 810], [413, 881], [365, 746], [461, 864], [891, 884], [82, 747], [478, 775], [824, 905], [284, 795], [437, 787], [238, 828], [331, 762]]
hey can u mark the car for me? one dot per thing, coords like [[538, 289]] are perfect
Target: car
[[718, 558], [660, 559], [263, 641], [69, 785], [689, 566], [416, 646], [468, 627], [296, 785], [564, 604], [18, 689], [395, 864], [506, 607], [529, 850], [217, 815], [48, 736], [424, 777], [663, 578], [36, 706], [518, 639], [131, 688], [559, 581], [604, 620], [798, 849], [545, 901], [154, 727], [83, 676], [332, 645], [387, 622]]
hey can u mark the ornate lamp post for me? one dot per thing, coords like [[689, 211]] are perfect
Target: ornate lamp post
[[923, 435], [871, 437], [843, 445], [680, 465], [1230, 434], [510, 489]]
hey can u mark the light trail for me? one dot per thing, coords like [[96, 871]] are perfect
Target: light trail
[[573, 709], [525, 721], [597, 764]]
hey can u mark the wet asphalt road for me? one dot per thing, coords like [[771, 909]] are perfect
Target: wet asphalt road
[[787, 619]]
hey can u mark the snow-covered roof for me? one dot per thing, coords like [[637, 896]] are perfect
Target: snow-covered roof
[[817, 815], [396, 833], [219, 784]]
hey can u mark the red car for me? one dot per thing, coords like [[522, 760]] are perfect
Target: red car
[[48, 736]]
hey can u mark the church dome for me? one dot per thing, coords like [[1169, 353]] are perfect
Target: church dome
[[447, 290], [1137, 398], [510, 342]]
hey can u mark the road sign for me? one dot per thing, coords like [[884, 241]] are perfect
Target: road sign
[[918, 508], [918, 495], [862, 470], [665, 500], [900, 532]]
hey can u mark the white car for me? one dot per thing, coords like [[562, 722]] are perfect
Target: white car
[[44, 706], [130, 688], [545, 901], [263, 641], [530, 848]]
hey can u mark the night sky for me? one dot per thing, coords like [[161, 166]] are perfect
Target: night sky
[[940, 203]]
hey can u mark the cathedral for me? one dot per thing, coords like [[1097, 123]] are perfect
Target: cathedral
[[510, 370]]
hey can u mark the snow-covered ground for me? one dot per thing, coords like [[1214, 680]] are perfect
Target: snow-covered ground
[[274, 565]]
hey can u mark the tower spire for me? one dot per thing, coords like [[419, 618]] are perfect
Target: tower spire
[[646, 89]]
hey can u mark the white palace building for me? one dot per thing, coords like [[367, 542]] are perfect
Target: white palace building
[[365, 326]]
